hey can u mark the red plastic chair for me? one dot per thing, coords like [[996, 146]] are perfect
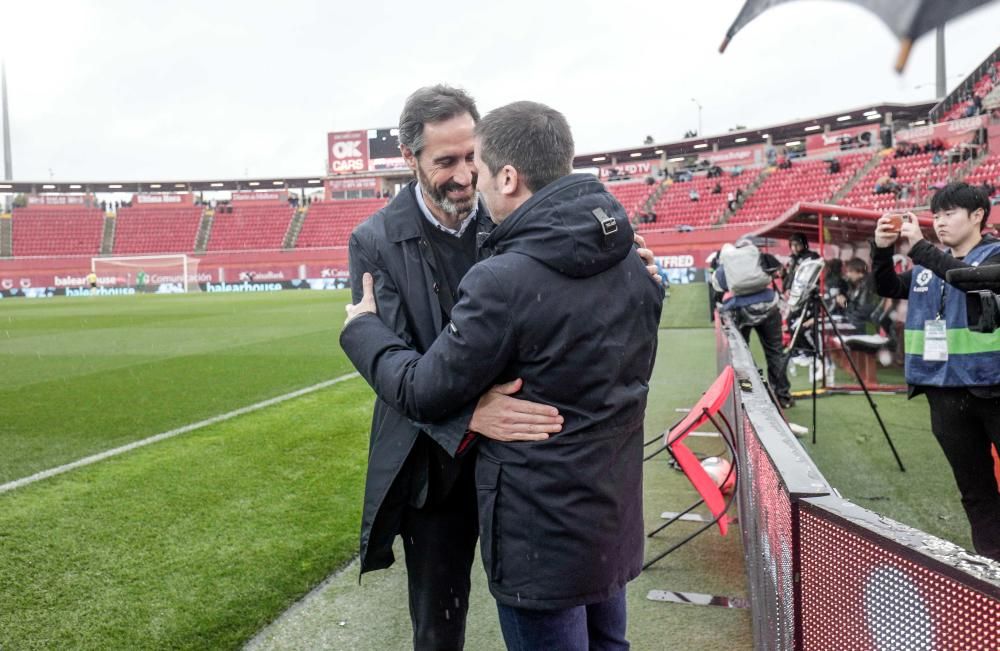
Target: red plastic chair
[[706, 409]]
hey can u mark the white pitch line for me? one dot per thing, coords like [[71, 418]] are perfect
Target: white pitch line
[[101, 456]]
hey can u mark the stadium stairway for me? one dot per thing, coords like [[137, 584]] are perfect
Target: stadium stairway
[[916, 173], [749, 192], [966, 168], [108, 234], [294, 228], [654, 198], [6, 250], [675, 209], [861, 173], [632, 195], [250, 226], [204, 231], [992, 99], [805, 180]]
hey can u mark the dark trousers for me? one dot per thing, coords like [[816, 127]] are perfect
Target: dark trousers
[[595, 627], [769, 333], [967, 427], [439, 542]]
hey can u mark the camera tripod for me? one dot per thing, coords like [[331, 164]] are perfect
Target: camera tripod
[[820, 314]]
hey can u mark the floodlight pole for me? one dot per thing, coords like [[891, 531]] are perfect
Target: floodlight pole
[[941, 86], [8, 168]]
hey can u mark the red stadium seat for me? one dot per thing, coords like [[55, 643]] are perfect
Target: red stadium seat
[[916, 172], [675, 208], [805, 180], [329, 223], [250, 226], [988, 171], [632, 195], [156, 229], [43, 231]]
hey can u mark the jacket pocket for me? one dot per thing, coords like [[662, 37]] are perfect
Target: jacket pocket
[[488, 494]]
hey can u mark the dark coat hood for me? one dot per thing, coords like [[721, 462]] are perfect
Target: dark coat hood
[[559, 227]]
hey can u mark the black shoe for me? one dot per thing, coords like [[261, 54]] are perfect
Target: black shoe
[[786, 403]]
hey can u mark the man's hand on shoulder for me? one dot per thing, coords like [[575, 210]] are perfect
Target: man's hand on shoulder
[[500, 417], [367, 303], [648, 259]]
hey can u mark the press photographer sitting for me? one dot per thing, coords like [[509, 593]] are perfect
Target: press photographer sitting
[[958, 369], [859, 303]]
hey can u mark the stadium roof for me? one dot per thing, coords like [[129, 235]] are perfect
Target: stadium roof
[[840, 224], [780, 134], [174, 185]]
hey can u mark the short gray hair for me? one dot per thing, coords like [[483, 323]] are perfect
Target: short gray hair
[[532, 138], [429, 105]]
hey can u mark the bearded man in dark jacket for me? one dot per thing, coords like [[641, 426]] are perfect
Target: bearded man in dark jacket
[[565, 306], [419, 482]]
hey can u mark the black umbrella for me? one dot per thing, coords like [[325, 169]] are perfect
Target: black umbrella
[[908, 19]]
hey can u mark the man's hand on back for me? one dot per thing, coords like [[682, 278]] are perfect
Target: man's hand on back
[[367, 303], [648, 259], [500, 417]]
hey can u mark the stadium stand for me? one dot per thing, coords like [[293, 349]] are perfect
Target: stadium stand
[[981, 88], [632, 195], [156, 229], [43, 230], [250, 226], [675, 207], [805, 180], [988, 171], [915, 177], [329, 223]]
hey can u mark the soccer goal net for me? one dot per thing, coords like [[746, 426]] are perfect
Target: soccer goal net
[[160, 274]]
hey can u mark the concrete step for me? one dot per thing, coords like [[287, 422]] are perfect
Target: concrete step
[[204, 231], [108, 236], [294, 228], [6, 237]]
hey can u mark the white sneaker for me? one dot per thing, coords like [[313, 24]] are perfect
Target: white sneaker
[[797, 429]]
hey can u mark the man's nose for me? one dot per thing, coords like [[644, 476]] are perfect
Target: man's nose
[[464, 174]]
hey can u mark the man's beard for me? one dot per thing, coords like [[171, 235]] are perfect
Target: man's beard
[[438, 195]]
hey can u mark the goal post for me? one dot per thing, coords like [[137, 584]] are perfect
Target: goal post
[[155, 274]]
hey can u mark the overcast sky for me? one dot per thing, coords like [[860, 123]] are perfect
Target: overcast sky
[[123, 90]]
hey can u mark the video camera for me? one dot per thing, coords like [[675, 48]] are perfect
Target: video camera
[[806, 280], [981, 285]]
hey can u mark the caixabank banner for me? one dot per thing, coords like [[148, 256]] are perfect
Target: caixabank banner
[[243, 287]]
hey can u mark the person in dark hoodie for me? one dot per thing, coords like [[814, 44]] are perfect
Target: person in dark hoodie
[[564, 305], [420, 482], [958, 369], [799, 246]]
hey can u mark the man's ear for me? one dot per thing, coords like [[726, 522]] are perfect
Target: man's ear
[[409, 157], [509, 180], [978, 215]]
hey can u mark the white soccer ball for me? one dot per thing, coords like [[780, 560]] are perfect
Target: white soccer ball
[[718, 468]]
